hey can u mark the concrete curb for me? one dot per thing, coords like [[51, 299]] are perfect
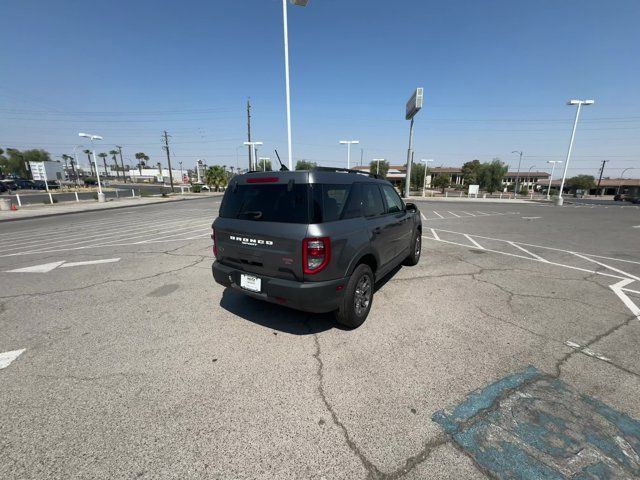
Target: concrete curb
[[56, 214]]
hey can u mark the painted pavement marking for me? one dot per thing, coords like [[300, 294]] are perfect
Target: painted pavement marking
[[529, 425], [586, 351], [513, 244], [437, 214], [7, 358], [47, 267], [89, 262], [476, 244]]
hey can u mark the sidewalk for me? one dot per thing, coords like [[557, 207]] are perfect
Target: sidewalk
[[66, 208], [475, 200]]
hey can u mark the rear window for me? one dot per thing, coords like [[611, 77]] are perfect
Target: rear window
[[267, 203], [333, 202]]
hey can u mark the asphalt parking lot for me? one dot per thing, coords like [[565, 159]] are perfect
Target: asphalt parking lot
[[137, 365]]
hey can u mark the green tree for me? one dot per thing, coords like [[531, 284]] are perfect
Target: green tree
[[471, 172], [263, 165], [305, 165], [91, 165], [441, 181], [142, 160], [113, 154], [216, 176], [104, 156], [15, 161], [417, 176], [491, 175], [581, 182], [379, 168], [66, 158]]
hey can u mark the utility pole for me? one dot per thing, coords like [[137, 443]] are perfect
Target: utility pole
[[600, 179], [249, 131], [166, 147], [361, 155], [124, 175], [515, 190]]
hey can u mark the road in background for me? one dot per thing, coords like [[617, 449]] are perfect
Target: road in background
[[136, 364]]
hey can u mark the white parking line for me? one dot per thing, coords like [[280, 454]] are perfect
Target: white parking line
[[89, 262], [453, 214], [482, 213], [617, 270], [528, 252], [435, 235], [437, 214], [7, 358], [586, 351], [467, 213], [474, 242], [423, 217], [619, 291]]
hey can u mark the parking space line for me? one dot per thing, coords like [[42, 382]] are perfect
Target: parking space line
[[423, 217], [474, 242], [467, 213], [618, 289], [482, 213], [7, 358], [586, 350], [435, 235], [528, 252], [606, 266], [631, 291], [437, 214], [453, 214]]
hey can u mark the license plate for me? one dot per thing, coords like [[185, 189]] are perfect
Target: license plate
[[250, 282]]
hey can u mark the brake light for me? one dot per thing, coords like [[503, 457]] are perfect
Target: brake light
[[316, 253], [262, 180], [215, 244]]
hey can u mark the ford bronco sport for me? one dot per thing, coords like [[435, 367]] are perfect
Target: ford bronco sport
[[313, 240]]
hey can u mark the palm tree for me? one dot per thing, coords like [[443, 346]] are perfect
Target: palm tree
[[104, 156], [91, 165], [113, 154], [142, 160], [216, 176], [66, 158]]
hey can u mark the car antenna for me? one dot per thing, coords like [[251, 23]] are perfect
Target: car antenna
[[282, 167]]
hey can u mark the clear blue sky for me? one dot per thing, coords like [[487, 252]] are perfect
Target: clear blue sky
[[496, 74]]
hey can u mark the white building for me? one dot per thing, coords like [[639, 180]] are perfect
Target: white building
[[47, 170], [154, 175]]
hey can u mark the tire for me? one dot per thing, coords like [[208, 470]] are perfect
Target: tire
[[358, 297], [416, 249]]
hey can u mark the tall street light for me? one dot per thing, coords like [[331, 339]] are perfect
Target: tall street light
[[253, 145], [92, 138], [378, 160], [579, 103], [515, 190], [348, 143], [553, 169], [426, 167], [529, 176], [300, 3]]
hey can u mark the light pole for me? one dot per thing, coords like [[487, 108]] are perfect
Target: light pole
[[300, 3], [579, 103], [91, 138], [553, 169], [253, 152], [378, 160], [426, 167], [181, 174], [414, 105], [529, 177], [348, 143], [622, 178], [515, 190], [264, 162]]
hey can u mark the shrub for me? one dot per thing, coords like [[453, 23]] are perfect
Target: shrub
[[524, 191], [90, 181], [196, 188]]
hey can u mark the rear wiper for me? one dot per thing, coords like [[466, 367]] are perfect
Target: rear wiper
[[256, 214]]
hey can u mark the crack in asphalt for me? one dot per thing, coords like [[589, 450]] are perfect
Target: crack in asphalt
[[373, 472]]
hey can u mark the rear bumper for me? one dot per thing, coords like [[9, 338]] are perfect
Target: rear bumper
[[314, 297]]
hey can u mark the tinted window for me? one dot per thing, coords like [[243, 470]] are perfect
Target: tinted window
[[394, 202], [371, 200], [267, 203], [353, 208], [329, 202]]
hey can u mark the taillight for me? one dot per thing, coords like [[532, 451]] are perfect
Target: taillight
[[215, 244], [316, 253]]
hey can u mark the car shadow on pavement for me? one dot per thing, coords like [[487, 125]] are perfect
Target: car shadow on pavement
[[274, 316]]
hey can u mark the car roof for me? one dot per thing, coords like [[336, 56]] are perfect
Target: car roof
[[316, 175]]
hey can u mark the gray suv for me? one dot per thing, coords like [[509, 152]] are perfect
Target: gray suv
[[313, 240]]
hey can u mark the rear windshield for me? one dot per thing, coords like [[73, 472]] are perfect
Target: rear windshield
[[267, 203]]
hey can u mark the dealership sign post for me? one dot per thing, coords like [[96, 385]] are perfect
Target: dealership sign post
[[413, 106]]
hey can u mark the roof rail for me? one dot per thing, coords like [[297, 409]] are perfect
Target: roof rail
[[348, 170]]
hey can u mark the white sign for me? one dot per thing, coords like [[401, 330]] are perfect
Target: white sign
[[415, 103], [473, 190]]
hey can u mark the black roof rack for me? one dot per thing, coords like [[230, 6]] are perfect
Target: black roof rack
[[348, 170]]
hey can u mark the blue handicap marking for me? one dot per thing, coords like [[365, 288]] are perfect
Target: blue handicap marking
[[532, 426]]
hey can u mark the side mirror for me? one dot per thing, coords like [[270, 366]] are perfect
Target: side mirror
[[410, 207]]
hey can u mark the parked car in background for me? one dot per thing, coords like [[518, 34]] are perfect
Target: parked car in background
[[39, 185], [620, 197], [9, 184], [24, 184], [3, 188]]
